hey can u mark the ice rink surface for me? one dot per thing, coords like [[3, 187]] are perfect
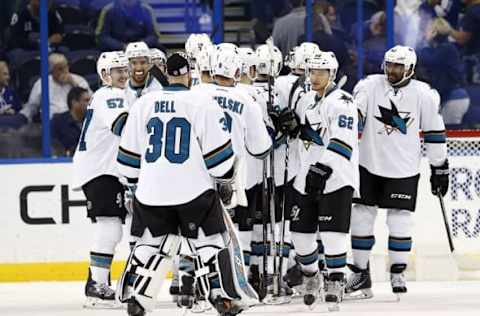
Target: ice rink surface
[[424, 298]]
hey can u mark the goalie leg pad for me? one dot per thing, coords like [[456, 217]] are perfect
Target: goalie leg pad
[[146, 270]]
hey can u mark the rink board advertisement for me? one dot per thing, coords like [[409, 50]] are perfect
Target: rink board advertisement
[[46, 234]]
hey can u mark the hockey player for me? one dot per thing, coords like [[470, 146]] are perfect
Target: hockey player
[[171, 137], [394, 108], [326, 181], [269, 63], [140, 81], [96, 174], [193, 46], [249, 135], [159, 66]]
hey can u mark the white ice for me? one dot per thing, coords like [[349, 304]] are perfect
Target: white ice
[[423, 298]]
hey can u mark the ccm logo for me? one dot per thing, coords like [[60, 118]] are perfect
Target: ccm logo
[[325, 218], [400, 196]]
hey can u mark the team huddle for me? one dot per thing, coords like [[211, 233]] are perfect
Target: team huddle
[[249, 182]]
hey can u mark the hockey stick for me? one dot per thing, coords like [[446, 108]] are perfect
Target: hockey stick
[[273, 241], [445, 221]]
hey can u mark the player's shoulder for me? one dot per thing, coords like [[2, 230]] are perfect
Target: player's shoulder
[[340, 100], [371, 81], [425, 91], [107, 92]]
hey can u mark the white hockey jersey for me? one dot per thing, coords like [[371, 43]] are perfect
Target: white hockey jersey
[[173, 142], [330, 137], [255, 165], [245, 120], [133, 93], [280, 148], [98, 144], [390, 145]]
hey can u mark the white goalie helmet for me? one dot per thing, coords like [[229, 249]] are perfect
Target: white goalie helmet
[[157, 54], [402, 55], [303, 53], [195, 44], [109, 60], [265, 61], [226, 62], [324, 60], [137, 49], [248, 59], [204, 58]]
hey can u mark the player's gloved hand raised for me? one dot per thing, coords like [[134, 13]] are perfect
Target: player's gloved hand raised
[[317, 177], [285, 121], [439, 179]]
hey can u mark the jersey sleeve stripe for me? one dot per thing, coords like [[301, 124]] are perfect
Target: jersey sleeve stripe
[[128, 158], [261, 155], [435, 137], [219, 155], [119, 124], [341, 148]]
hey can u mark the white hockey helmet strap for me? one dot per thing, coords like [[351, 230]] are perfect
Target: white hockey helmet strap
[[402, 55]]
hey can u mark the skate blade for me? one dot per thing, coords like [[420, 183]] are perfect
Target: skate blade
[[200, 308], [277, 300], [96, 303], [358, 295], [398, 296], [333, 307]]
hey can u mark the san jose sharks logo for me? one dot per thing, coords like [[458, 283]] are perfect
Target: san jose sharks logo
[[345, 98], [394, 120], [311, 133]]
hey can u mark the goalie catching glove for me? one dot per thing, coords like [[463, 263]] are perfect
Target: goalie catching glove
[[316, 180], [439, 178]]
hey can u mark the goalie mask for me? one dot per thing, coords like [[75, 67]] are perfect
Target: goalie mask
[[399, 55], [107, 61], [267, 64]]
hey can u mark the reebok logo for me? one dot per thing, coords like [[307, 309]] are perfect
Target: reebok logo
[[400, 196], [325, 218]]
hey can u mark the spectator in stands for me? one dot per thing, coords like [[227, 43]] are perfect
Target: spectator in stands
[[60, 82], [448, 9], [9, 102], [289, 28], [375, 46], [323, 37], [25, 27], [125, 21], [443, 68], [67, 126]]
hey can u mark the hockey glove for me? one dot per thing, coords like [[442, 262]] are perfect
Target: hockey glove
[[317, 177], [285, 121], [225, 190], [439, 178]]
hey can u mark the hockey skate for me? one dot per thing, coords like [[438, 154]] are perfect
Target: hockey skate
[[359, 284], [398, 279], [335, 286], [312, 287], [174, 288], [224, 306], [99, 296], [134, 309], [284, 297]]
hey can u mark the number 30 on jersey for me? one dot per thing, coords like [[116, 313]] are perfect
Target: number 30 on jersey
[[177, 149]]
